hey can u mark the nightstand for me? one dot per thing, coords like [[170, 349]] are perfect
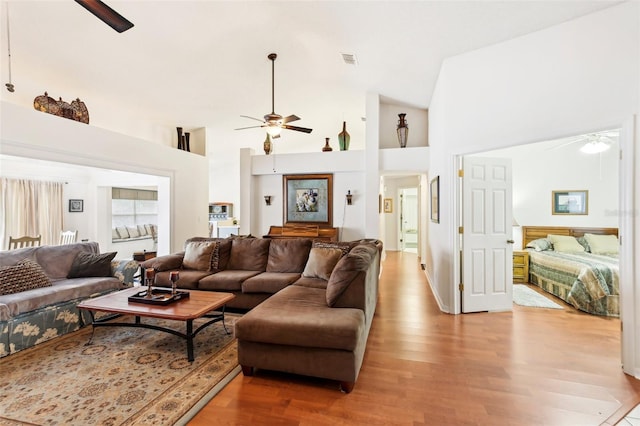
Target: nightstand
[[520, 266]]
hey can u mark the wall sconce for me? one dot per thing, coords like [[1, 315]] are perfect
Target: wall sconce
[[349, 197], [267, 200]]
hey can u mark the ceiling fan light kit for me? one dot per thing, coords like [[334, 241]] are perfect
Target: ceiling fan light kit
[[274, 123], [594, 147]]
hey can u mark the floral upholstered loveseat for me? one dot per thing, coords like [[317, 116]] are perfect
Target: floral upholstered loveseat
[[40, 288]]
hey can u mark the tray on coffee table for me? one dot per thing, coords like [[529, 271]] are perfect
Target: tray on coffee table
[[158, 296]]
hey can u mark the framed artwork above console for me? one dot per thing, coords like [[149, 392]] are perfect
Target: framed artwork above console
[[308, 199]]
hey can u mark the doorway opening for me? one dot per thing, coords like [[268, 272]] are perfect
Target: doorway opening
[[408, 219]]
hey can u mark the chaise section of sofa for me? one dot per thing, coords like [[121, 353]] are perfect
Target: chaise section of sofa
[[310, 330], [38, 314]]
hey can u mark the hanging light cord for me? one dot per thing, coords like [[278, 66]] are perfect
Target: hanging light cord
[[9, 85]]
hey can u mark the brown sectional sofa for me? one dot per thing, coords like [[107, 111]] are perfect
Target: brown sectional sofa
[[311, 302]]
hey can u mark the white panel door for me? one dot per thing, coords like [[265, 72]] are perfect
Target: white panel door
[[487, 244]]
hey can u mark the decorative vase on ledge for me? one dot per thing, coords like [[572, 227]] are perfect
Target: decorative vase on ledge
[[403, 130], [326, 147], [344, 138]]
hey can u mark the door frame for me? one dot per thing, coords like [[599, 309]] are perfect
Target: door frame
[[629, 297], [399, 230]]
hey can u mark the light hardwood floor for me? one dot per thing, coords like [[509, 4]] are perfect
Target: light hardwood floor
[[531, 366]]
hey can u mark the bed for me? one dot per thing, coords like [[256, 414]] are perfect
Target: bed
[[588, 281]]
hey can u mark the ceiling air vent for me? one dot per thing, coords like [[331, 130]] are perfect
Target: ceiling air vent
[[349, 58]]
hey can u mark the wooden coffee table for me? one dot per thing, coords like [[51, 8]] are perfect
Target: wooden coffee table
[[199, 304]]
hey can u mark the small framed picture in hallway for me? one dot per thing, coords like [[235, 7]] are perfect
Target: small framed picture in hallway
[[435, 199]]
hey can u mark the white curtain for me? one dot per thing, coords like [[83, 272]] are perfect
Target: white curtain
[[30, 208]]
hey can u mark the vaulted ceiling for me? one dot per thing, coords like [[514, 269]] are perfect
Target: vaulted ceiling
[[204, 63]]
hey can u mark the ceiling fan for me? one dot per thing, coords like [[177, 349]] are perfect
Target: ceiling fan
[[594, 143], [106, 14], [273, 122]]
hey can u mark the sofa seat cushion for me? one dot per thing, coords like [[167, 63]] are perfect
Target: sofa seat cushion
[[229, 280], [12, 305], [269, 282], [299, 316], [188, 278], [311, 282]]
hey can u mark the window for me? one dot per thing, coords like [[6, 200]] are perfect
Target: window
[[131, 207]]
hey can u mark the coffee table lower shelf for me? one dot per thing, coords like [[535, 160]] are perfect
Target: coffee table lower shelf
[[199, 304], [188, 335]]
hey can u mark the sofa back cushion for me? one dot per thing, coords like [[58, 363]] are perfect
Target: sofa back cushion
[[288, 255], [56, 261], [345, 272], [197, 255], [321, 262], [249, 254]]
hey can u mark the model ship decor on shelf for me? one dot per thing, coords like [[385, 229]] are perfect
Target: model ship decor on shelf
[[76, 110]]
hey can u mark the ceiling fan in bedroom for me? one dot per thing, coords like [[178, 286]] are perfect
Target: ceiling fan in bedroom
[[106, 14], [273, 122], [594, 143]]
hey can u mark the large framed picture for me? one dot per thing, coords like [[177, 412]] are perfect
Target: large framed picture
[[570, 202], [435, 199], [308, 199]]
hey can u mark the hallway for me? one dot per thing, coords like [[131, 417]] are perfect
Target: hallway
[[531, 366]]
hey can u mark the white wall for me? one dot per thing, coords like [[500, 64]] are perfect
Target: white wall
[[31, 134], [264, 173], [537, 87], [539, 169]]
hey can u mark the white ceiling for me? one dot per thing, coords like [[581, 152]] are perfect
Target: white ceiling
[[204, 63]]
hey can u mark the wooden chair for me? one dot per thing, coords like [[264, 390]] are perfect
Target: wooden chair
[[16, 243], [68, 237]]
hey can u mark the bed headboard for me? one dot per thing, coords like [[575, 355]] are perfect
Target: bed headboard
[[530, 233]]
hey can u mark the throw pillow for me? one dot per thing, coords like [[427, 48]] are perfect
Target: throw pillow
[[122, 232], [541, 244], [603, 244], [321, 262], [197, 255], [25, 275], [565, 244], [345, 247], [91, 265], [133, 231], [220, 256]]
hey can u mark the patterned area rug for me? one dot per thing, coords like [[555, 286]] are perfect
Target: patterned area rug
[[127, 376], [524, 296]]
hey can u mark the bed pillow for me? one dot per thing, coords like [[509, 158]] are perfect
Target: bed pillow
[[565, 244], [603, 244], [583, 242], [541, 244]]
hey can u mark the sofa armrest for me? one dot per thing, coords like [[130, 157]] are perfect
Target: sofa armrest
[[124, 270], [164, 263]]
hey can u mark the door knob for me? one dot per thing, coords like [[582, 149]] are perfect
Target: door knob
[[510, 241]]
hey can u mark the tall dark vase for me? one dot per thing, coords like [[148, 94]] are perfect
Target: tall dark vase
[[187, 147], [344, 138], [179, 129]]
